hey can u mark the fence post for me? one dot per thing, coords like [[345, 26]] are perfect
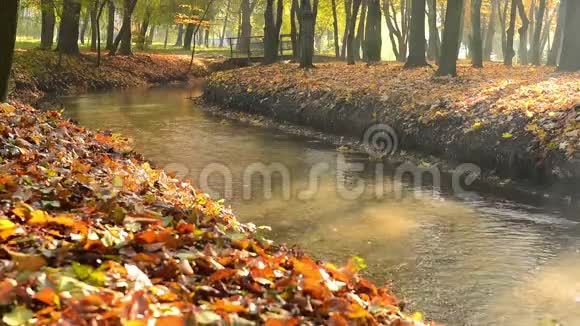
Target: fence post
[[231, 48], [280, 46], [249, 51]]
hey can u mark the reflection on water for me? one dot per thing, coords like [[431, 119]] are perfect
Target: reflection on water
[[464, 260]]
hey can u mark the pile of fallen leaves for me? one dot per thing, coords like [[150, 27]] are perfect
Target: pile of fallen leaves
[[91, 234], [540, 101], [36, 72]]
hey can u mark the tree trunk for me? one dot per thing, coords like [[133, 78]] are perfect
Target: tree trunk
[[246, 28], [397, 34], [545, 35], [461, 28], [358, 40], [405, 31], [125, 47], [348, 13], [417, 40], [450, 43], [86, 17], [179, 41], [335, 30], [570, 57], [433, 47], [142, 38], [557, 43], [536, 53], [306, 34], [350, 49], [69, 28], [123, 39], [8, 23], [188, 37], [373, 38], [98, 28], [294, 30], [523, 33], [48, 22], [270, 40], [152, 31], [166, 36], [476, 42], [532, 23], [509, 54], [110, 25], [502, 14], [94, 30], [490, 32], [227, 14]]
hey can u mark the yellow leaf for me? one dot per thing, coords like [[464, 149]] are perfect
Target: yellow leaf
[[417, 316], [22, 210], [7, 228], [7, 108], [506, 135], [532, 127], [6, 224], [39, 217]]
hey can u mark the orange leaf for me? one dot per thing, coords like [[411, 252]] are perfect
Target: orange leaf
[[222, 274], [169, 321], [228, 306], [46, 295], [7, 291], [336, 319]]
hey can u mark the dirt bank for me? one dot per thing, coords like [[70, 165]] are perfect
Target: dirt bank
[[37, 74], [515, 123]]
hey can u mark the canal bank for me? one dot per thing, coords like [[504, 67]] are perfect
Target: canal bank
[[38, 76], [516, 124]]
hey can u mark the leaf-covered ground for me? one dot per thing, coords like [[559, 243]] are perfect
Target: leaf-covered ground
[[36, 73], [91, 234], [547, 101]]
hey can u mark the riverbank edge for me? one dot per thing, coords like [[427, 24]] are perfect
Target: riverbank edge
[[509, 166], [40, 76], [519, 191]]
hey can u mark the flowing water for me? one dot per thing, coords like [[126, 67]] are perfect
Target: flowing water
[[460, 258]]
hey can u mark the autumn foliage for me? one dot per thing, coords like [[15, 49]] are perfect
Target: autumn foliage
[[90, 233], [38, 73], [511, 103]]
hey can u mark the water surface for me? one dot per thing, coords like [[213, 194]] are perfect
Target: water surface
[[462, 259]]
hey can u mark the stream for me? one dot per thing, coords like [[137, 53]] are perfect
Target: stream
[[469, 258]]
